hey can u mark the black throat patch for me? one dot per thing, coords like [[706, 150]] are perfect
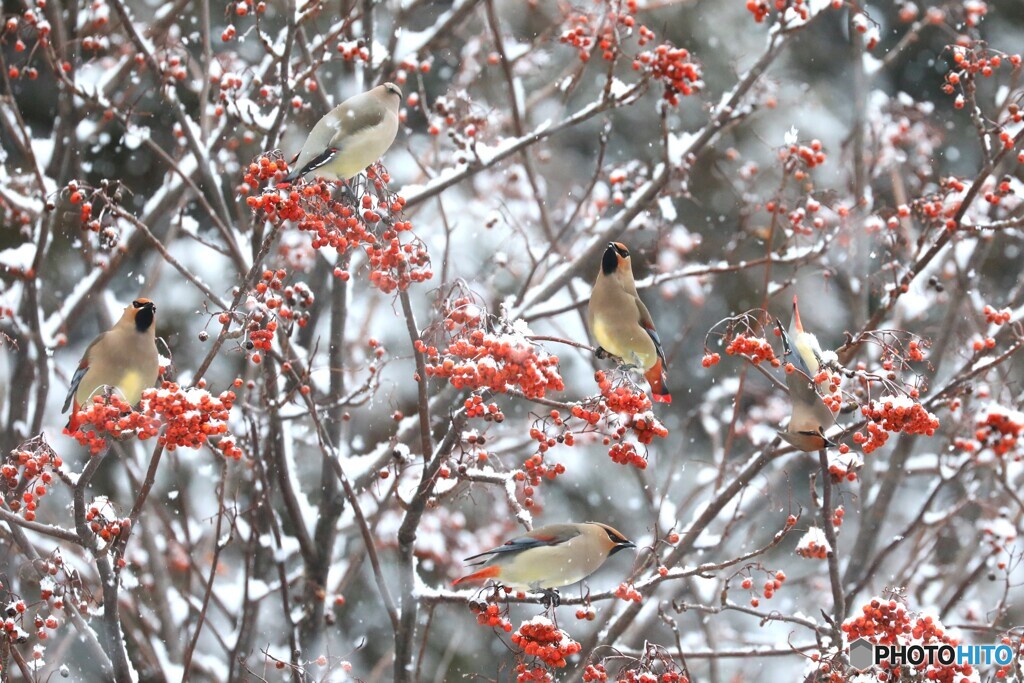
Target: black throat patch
[[144, 318], [610, 261]]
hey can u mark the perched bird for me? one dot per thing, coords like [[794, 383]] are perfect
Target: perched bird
[[124, 358], [351, 136], [810, 418], [621, 323], [549, 557]]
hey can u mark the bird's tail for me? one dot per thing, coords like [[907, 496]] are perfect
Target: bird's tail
[[482, 575], [657, 379], [73, 423]]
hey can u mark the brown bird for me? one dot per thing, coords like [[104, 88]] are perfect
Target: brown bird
[[621, 323], [810, 418], [123, 358], [549, 557]]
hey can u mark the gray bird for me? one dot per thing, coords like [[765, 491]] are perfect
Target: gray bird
[[351, 136]]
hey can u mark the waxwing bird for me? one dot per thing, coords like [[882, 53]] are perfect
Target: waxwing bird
[[621, 323], [124, 358], [810, 417], [548, 557], [351, 136]]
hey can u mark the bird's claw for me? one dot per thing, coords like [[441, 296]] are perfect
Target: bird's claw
[[551, 598]]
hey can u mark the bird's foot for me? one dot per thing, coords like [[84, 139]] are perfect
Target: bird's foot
[[601, 354], [551, 598], [347, 192]]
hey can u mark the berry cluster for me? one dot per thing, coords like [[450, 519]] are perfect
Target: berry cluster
[[797, 157], [104, 523], [844, 466], [772, 584], [710, 359], [58, 584], [607, 36], [490, 413], [914, 352], [372, 223], [625, 454], [595, 673], [536, 674], [535, 470], [622, 408], [353, 50], [757, 349], [111, 417], [588, 614], [17, 618], [969, 61], [1000, 429], [541, 639], [798, 216], [622, 400], [462, 312], [837, 517], [285, 300], [673, 67], [813, 545], [894, 414], [995, 317], [490, 616], [498, 362], [641, 676], [273, 303], [670, 65], [93, 205], [888, 622], [32, 20], [628, 593], [27, 474], [188, 418], [761, 8]]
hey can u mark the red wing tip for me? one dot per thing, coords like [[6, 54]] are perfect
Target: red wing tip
[[662, 398], [283, 185], [485, 573]]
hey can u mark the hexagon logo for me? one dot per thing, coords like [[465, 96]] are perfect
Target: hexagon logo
[[862, 654]]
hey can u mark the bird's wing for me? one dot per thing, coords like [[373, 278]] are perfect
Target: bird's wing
[[354, 118], [647, 323], [348, 120], [807, 404], [555, 534], [316, 162], [83, 367]]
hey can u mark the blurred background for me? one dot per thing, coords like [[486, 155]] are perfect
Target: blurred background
[[890, 134]]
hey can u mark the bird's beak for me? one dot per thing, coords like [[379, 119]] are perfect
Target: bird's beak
[[622, 546]]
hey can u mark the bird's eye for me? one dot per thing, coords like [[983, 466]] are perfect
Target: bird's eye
[[137, 304]]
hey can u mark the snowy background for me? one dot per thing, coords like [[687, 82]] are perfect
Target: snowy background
[[818, 157]]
